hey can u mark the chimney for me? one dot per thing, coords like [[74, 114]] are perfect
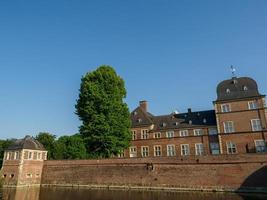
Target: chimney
[[143, 105]]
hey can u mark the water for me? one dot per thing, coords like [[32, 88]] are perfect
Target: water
[[82, 194]]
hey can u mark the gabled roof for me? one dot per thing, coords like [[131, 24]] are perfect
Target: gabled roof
[[26, 143], [140, 117]]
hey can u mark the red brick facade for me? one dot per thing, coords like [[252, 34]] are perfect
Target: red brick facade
[[203, 133]]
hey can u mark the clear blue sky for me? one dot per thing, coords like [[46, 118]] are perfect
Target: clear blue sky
[[169, 52]]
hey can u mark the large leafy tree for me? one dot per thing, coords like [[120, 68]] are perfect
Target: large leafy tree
[[70, 147], [105, 117], [48, 140], [4, 144]]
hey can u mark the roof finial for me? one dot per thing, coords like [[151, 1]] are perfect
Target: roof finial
[[233, 70]]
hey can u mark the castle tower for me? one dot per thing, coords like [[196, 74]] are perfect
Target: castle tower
[[23, 163], [241, 116]]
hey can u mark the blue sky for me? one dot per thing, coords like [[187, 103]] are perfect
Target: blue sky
[[171, 53]]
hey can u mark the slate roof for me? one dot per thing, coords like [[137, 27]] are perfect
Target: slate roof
[[238, 88], [26, 143], [173, 121]]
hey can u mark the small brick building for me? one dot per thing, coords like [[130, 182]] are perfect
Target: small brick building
[[23, 163], [237, 125]]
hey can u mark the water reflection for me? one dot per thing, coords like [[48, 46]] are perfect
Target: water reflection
[[82, 194]]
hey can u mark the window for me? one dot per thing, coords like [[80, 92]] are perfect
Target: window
[[144, 134], [28, 175], [260, 146], [199, 149], [144, 151], [231, 148], [134, 135], [245, 88], [39, 156], [213, 131], [157, 150], [30, 155], [170, 150], [169, 134], [133, 152], [225, 108], [228, 91], [185, 149], [183, 133], [252, 105], [121, 155], [256, 125], [16, 155], [198, 132], [215, 148], [229, 127], [157, 135]]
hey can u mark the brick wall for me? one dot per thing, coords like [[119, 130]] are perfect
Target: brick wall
[[222, 172]]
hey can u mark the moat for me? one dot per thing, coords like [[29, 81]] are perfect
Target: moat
[[82, 194]]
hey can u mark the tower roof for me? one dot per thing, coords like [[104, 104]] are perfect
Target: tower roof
[[26, 143], [237, 88]]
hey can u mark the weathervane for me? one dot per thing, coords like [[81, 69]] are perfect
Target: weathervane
[[233, 70]]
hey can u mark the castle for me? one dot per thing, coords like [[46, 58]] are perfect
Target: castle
[[222, 149], [237, 125]]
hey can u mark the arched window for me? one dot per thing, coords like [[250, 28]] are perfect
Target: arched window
[[228, 91]]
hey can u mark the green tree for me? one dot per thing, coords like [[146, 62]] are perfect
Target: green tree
[[4, 144], [105, 117], [70, 147], [48, 141]]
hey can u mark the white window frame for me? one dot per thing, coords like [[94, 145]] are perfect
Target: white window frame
[[199, 151], [260, 148], [134, 135], [171, 151], [185, 151], [226, 108], [132, 151], [230, 146], [198, 132], [16, 155], [142, 151], [253, 105], [144, 134], [256, 127], [157, 135], [30, 157], [184, 133], [226, 129], [157, 150], [8, 156], [169, 134]]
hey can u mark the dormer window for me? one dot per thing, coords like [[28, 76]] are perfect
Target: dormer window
[[135, 113], [175, 123], [139, 120], [228, 91], [163, 124], [190, 122], [245, 88], [204, 120]]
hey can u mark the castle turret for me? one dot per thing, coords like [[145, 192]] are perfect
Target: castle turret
[[241, 116], [23, 162]]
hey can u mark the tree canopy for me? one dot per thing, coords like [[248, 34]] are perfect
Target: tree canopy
[[105, 117], [48, 140], [70, 147]]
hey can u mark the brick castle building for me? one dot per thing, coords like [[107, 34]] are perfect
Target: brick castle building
[[237, 125]]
